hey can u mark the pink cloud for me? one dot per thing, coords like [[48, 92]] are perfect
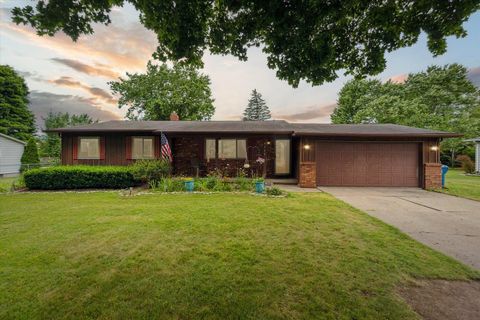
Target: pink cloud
[[400, 78]]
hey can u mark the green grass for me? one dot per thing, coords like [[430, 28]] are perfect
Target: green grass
[[6, 183], [193, 256], [458, 184]]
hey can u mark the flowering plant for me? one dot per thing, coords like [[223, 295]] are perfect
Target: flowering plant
[[260, 160]]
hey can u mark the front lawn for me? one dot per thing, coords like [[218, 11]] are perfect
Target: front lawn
[[6, 183], [199, 256], [458, 184]]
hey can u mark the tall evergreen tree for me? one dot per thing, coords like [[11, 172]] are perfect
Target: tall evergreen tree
[[257, 109], [16, 119], [30, 157]]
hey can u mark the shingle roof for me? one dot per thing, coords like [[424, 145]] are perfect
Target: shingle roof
[[322, 129], [271, 126]]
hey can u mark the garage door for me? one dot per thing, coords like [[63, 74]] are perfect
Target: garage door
[[367, 164]]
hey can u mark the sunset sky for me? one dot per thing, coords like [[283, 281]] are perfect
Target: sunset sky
[[67, 76]]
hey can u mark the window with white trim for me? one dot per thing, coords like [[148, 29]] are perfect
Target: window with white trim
[[143, 148], [89, 148]]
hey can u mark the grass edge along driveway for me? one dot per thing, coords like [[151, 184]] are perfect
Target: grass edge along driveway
[[461, 185], [194, 256]]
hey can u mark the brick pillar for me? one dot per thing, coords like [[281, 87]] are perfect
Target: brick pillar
[[308, 175], [432, 176]]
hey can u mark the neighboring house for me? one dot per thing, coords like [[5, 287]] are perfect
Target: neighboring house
[[11, 151], [312, 154], [477, 153]]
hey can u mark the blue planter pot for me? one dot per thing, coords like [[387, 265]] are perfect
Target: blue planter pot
[[259, 186], [189, 185]]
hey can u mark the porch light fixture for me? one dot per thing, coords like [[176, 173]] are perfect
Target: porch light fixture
[[246, 165], [306, 147], [434, 148]]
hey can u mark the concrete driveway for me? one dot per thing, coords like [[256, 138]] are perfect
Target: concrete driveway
[[446, 223]]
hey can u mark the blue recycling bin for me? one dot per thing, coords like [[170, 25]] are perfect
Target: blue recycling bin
[[444, 172]]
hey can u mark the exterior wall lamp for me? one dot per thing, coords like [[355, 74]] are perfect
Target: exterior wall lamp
[[434, 148], [306, 147]]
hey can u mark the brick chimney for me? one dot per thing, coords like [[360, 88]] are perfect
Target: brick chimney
[[174, 116]]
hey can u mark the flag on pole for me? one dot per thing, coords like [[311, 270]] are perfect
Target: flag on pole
[[166, 151]]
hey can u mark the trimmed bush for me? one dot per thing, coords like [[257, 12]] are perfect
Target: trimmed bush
[[80, 177], [151, 170]]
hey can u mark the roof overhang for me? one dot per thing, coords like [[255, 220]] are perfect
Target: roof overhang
[[380, 135], [12, 138]]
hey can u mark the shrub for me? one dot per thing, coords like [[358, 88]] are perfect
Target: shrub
[[467, 164], [151, 170], [274, 191], [244, 184], [210, 183], [170, 185], [79, 177], [30, 157]]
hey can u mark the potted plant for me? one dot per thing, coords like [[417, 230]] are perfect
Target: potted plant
[[259, 185], [189, 184]]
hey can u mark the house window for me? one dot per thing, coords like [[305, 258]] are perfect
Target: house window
[[210, 149], [142, 148], [282, 156], [227, 148], [89, 148]]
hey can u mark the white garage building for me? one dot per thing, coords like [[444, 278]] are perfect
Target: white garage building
[[11, 151]]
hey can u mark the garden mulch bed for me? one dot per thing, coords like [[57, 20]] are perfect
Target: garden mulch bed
[[443, 299]]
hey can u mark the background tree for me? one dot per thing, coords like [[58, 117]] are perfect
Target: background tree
[[309, 40], [16, 119], [441, 98], [50, 145], [30, 155], [162, 90], [257, 109]]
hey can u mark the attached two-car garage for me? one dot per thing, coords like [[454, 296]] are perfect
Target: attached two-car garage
[[368, 164]]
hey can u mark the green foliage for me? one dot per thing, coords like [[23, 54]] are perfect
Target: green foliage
[[208, 184], [310, 40], [274, 191], [441, 98], [51, 145], [163, 90], [79, 177], [30, 155], [257, 109], [169, 185], [151, 170], [16, 119], [467, 164]]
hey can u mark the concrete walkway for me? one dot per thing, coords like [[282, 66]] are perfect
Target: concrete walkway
[[446, 223]]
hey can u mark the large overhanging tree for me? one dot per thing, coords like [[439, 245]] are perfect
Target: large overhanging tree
[[154, 95], [440, 98], [310, 40]]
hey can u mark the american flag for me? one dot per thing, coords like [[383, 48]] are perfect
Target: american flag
[[166, 151]]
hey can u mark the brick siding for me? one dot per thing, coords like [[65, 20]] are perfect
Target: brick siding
[[432, 176], [308, 175], [188, 150]]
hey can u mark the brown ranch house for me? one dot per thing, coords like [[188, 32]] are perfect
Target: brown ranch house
[[309, 154]]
